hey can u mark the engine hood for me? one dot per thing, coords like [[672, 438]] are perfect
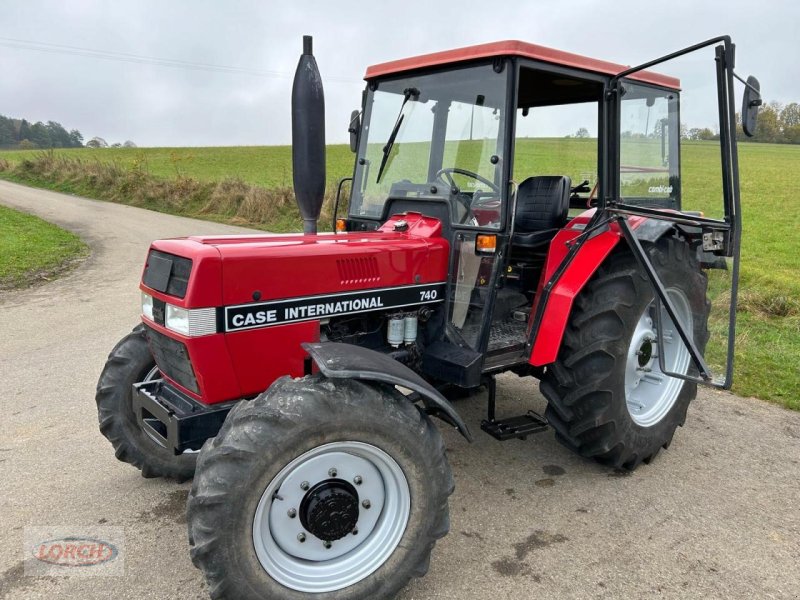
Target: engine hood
[[406, 250]]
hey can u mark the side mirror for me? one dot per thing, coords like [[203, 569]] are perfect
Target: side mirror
[[354, 129], [751, 100]]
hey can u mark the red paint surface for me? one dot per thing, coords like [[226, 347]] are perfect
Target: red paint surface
[[228, 270], [586, 262], [516, 48]]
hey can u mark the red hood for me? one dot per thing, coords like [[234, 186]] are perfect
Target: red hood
[[231, 269]]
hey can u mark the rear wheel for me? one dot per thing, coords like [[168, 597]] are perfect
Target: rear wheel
[[607, 396], [131, 362], [328, 488]]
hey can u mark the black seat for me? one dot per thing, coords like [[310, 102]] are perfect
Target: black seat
[[542, 208]]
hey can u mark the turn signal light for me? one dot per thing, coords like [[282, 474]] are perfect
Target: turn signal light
[[341, 226], [485, 244]]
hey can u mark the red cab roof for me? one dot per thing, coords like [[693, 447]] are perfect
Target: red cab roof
[[516, 48]]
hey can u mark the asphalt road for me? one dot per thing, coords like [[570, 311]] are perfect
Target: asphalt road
[[717, 516]]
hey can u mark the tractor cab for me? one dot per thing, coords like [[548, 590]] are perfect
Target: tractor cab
[[503, 144]]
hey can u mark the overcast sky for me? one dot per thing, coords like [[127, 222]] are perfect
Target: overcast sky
[[249, 104]]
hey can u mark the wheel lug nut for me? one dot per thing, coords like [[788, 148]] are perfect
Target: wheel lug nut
[[292, 513], [366, 504], [304, 486], [332, 472], [301, 537], [327, 545], [357, 480]]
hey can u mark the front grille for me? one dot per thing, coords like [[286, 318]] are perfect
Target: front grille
[[167, 273], [172, 359]]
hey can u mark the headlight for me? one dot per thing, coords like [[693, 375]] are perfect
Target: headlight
[[147, 306], [191, 322], [177, 319]]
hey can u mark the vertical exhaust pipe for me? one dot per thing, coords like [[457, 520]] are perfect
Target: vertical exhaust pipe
[[308, 138]]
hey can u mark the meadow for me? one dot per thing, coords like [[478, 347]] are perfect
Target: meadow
[[244, 184], [34, 250]]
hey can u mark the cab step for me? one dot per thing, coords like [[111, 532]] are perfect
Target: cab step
[[511, 427], [515, 427]]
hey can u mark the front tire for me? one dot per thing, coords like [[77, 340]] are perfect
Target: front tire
[[131, 362], [607, 397], [322, 488]]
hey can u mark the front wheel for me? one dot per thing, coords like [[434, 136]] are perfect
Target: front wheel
[[608, 398], [131, 362], [329, 488]]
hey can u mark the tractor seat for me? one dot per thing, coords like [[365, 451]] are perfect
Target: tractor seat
[[542, 208]]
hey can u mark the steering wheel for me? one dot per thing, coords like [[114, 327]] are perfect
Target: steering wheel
[[445, 175]]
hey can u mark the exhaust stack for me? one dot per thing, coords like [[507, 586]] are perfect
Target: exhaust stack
[[308, 138]]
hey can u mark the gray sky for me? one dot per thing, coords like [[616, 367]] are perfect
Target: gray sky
[[163, 106]]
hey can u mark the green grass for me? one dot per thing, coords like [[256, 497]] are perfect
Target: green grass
[[264, 166], [768, 336], [32, 249]]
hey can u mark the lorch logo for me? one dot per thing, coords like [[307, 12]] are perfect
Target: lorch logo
[[81, 551], [75, 552]]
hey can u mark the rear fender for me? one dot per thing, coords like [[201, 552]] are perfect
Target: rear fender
[[562, 292], [347, 361]]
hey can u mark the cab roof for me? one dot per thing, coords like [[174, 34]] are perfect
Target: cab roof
[[520, 49]]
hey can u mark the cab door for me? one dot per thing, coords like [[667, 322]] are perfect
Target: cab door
[[671, 157]]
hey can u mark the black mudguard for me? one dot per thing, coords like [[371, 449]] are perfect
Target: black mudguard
[[347, 361]]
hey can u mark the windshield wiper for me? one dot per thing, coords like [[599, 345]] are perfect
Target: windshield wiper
[[408, 93]]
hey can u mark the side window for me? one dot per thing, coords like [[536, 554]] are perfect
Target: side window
[[649, 170], [557, 140]]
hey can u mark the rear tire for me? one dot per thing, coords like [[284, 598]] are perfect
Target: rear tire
[[240, 531], [607, 398], [131, 362]]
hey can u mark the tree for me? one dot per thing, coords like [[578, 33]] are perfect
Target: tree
[[129, 144], [790, 116], [7, 138], [75, 139], [24, 132], [582, 133], [768, 129], [40, 136], [97, 142]]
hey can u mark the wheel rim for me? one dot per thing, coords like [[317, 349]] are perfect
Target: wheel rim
[[299, 525], [649, 392]]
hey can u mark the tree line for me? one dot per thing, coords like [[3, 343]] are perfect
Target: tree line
[[20, 133], [777, 124]]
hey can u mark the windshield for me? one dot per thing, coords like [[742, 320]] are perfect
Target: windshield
[[437, 136]]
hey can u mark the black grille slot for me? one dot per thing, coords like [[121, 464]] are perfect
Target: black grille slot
[[172, 359], [167, 273]]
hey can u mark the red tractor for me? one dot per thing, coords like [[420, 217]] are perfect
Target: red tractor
[[296, 377]]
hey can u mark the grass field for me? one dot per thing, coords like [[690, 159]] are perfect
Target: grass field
[[32, 249], [768, 338]]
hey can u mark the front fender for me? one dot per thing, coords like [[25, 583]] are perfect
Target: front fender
[[347, 361]]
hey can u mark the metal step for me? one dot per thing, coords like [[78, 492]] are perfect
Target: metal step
[[515, 427], [512, 427]]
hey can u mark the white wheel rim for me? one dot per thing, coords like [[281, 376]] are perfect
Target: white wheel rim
[[310, 566], [649, 392]]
